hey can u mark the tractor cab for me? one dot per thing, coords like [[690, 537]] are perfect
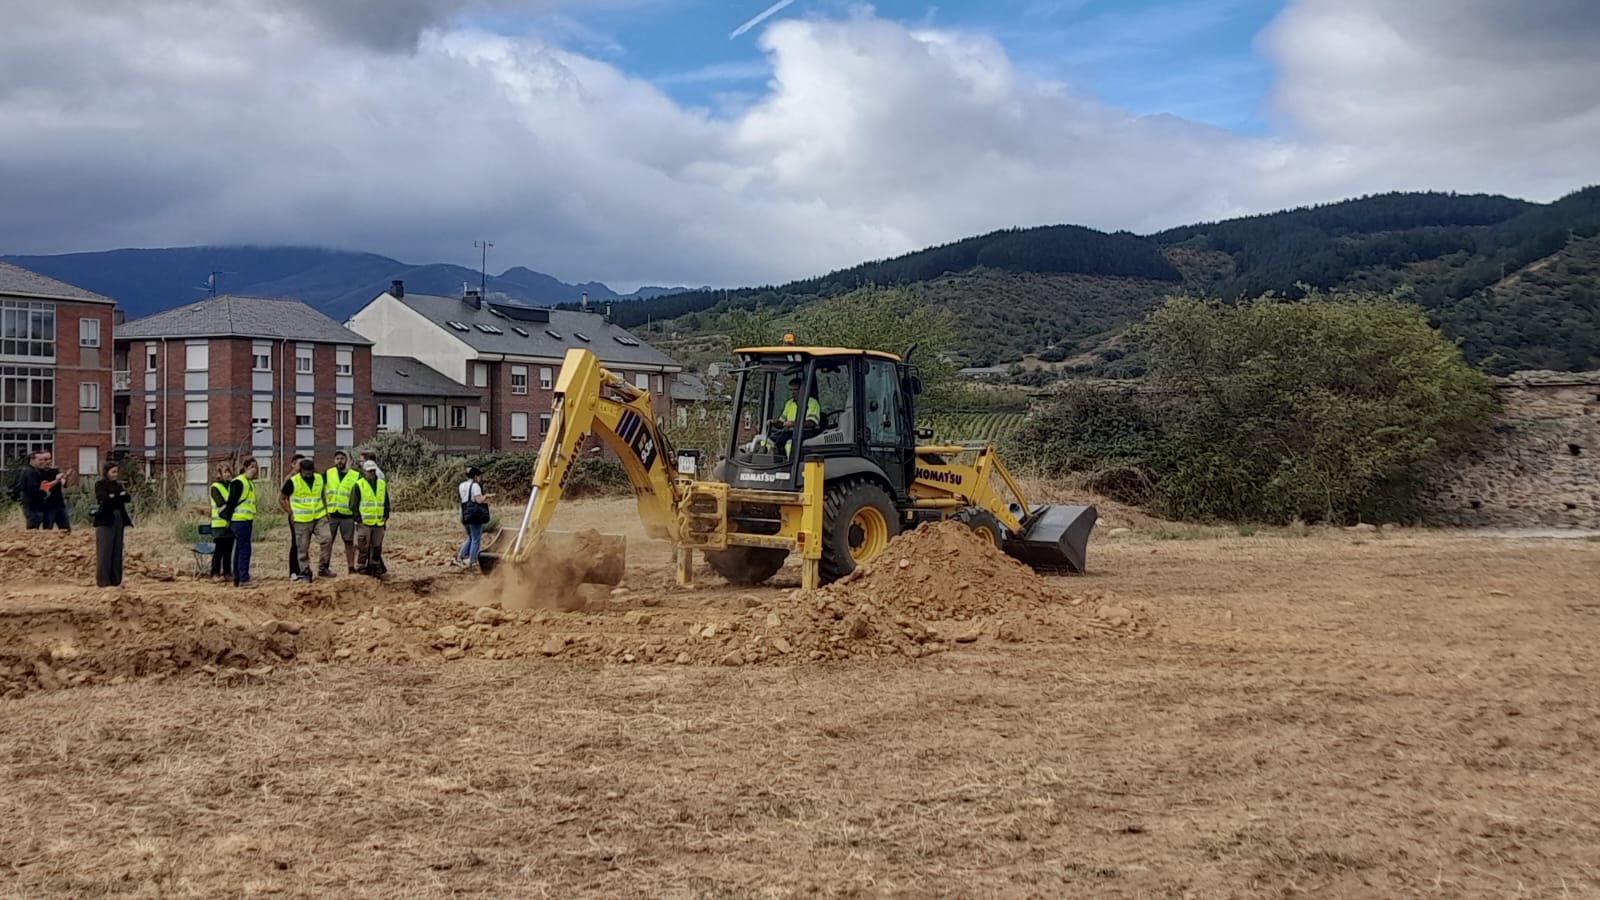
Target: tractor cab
[[851, 408]]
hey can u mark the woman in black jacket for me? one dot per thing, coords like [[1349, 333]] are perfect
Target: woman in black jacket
[[110, 518]]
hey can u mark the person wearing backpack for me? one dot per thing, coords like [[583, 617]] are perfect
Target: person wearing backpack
[[474, 515]]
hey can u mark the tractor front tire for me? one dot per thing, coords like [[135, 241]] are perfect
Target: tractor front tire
[[858, 521], [746, 565], [980, 522]]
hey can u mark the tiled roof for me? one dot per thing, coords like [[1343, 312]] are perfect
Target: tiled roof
[[404, 375], [615, 346], [246, 317], [20, 282]]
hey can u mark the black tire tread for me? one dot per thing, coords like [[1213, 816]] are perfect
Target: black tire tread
[[837, 501]]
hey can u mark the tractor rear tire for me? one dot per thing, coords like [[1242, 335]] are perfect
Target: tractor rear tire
[[858, 521], [981, 522], [746, 565]]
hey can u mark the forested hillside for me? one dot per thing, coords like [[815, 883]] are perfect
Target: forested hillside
[[1516, 281]]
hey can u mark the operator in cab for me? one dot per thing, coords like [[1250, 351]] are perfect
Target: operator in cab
[[785, 430]]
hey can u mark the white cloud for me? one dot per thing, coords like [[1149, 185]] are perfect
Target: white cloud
[[171, 122]]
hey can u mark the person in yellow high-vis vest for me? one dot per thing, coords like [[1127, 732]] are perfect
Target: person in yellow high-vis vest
[[369, 497], [337, 483], [241, 515], [221, 530], [302, 500]]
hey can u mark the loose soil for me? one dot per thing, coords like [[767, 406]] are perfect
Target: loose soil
[[1369, 714]]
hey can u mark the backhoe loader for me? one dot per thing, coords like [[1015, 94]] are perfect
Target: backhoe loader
[[822, 461]]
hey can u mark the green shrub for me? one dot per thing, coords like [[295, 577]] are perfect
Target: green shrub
[[1323, 410], [401, 452]]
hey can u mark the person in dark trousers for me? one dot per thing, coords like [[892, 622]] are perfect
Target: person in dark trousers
[[336, 485], [221, 533], [241, 515], [110, 519], [43, 501], [294, 548], [369, 497]]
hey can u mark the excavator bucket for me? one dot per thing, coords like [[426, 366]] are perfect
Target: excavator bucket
[[585, 557], [1054, 538]]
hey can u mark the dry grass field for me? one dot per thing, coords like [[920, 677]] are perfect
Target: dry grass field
[[1327, 714]]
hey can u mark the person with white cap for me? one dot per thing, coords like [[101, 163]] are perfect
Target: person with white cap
[[369, 502]]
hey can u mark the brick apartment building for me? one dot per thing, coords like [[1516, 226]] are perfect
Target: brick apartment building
[[234, 376], [412, 396], [508, 352], [55, 372]]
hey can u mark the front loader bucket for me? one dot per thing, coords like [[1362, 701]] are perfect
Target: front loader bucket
[[1054, 538], [586, 557]]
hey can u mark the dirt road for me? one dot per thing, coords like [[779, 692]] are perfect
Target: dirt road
[[1342, 714]]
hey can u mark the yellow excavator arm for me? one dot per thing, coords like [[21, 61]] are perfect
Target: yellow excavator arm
[[589, 399]]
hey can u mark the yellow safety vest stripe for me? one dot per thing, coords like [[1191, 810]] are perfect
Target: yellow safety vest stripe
[[339, 490], [305, 504], [246, 510], [372, 500]]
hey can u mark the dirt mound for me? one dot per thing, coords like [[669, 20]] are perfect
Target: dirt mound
[[65, 556], [943, 570]]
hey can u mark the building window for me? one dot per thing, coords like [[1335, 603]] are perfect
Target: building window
[[545, 378], [89, 395], [27, 396], [383, 417], [88, 332], [149, 417], [15, 445], [483, 423], [302, 362], [196, 413], [149, 359], [458, 417], [480, 375], [341, 361], [27, 329], [519, 379], [544, 424], [261, 359], [660, 384], [430, 417], [341, 417], [260, 414], [519, 426], [641, 381], [196, 357]]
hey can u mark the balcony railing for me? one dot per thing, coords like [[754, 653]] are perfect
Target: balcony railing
[[121, 380], [119, 435]]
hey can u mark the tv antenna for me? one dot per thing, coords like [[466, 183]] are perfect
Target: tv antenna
[[483, 266], [211, 282]]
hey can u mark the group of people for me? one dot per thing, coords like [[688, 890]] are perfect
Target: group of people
[[40, 488], [350, 503]]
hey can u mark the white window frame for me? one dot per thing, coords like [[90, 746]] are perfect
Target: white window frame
[[302, 362], [546, 378], [458, 418], [342, 361], [483, 422], [381, 422], [519, 379], [89, 396], [88, 332], [200, 352], [256, 419], [190, 407], [303, 410], [430, 416], [641, 380], [661, 384], [544, 424], [261, 357], [150, 416], [480, 374], [151, 359], [343, 416], [519, 418]]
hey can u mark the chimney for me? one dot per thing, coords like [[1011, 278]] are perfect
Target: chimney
[[471, 295], [608, 314], [585, 306], [397, 288]]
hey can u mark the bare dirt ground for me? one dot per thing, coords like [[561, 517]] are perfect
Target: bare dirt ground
[[1338, 713]]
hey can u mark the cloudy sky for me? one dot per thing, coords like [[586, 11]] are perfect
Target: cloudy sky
[[732, 142]]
